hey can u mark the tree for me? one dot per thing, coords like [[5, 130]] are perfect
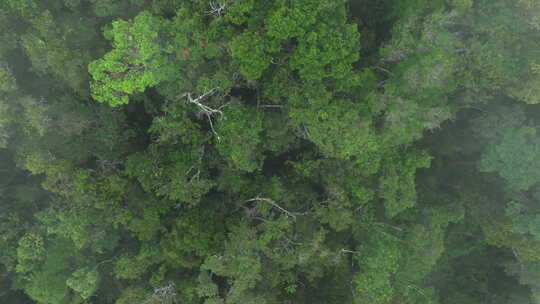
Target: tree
[[378, 260], [84, 281], [398, 184], [177, 175], [512, 147], [137, 61], [239, 138]]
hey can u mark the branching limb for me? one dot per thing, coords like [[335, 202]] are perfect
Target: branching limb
[[205, 110], [216, 8], [197, 101]]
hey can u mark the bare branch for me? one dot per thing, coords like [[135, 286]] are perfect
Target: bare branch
[[302, 131], [205, 110], [417, 289], [197, 101], [348, 251], [390, 226], [275, 205], [216, 8], [384, 70], [271, 202], [270, 106], [195, 176], [212, 127], [163, 295], [107, 164]]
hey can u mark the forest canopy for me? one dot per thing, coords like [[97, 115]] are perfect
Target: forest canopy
[[276, 151]]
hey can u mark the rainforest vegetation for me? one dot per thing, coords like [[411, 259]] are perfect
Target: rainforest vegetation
[[269, 151]]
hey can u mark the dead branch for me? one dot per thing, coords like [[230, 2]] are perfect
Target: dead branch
[[270, 106], [348, 251], [390, 226], [384, 70], [205, 110], [163, 295], [216, 8], [271, 202], [197, 101], [195, 176], [275, 205]]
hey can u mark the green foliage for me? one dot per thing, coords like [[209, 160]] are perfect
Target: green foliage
[[131, 266], [422, 64], [425, 243], [518, 166], [378, 258], [281, 151], [132, 294], [195, 236], [524, 218], [326, 52], [504, 131], [527, 274], [47, 283], [136, 62], [31, 250], [398, 181], [239, 137], [251, 51], [7, 81], [241, 262], [175, 175], [84, 281], [503, 59]]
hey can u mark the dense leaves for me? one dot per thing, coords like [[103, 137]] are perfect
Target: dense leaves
[[280, 151]]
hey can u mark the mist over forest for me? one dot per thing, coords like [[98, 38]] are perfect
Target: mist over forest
[[270, 151]]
